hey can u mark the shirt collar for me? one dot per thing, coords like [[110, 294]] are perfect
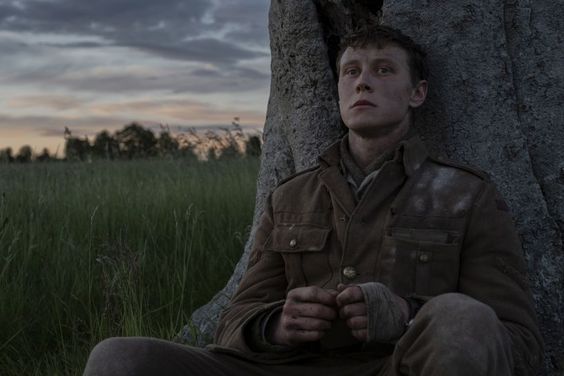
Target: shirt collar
[[410, 150]]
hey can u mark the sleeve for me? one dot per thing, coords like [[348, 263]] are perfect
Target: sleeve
[[262, 289], [493, 270]]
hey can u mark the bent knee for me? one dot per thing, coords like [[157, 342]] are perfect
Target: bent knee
[[114, 356], [453, 317], [458, 333], [112, 347], [456, 306]]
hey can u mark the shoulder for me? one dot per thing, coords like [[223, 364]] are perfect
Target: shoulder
[[471, 179], [298, 180], [458, 176], [460, 168], [300, 192], [443, 188]]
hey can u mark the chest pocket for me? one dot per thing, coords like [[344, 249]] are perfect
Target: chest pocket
[[304, 249], [420, 261]]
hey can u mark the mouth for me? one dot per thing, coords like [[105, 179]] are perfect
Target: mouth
[[363, 102]]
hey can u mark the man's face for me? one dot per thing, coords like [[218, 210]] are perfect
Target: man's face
[[376, 93]]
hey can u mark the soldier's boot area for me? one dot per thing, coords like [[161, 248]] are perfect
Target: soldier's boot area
[[454, 334]]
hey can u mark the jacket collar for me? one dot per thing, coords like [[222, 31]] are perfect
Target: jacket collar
[[412, 151]]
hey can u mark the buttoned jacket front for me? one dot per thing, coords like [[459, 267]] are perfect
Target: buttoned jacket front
[[424, 227]]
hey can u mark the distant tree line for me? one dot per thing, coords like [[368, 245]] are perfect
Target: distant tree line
[[134, 141]]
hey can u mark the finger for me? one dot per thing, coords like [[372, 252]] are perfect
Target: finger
[[306, 324], [333, 293], [351, 294], [296, 337], [314, 310], [357, 323], [341, 287], [351, 310], [312, 294], [361, 335]]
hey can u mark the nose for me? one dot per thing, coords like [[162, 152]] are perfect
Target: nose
[[363, 86], [363, 82]]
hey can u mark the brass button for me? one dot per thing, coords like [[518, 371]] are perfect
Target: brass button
[[349, 272], [424, 258], [293, 243]]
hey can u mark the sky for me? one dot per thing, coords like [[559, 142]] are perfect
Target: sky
[[91, 65]]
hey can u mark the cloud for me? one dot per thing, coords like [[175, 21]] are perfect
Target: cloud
[[182, 111], [251, 17], [203, 50], [69, 111], [98, 46], [113, 70], [53, 102], [10, 47], [64, 60], [120, 76], [100, 16], [162, 27], [234, 80], [74, 45]]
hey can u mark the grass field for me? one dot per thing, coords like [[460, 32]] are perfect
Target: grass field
[[92, 250]]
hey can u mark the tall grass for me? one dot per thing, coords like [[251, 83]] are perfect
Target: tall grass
[[89, 251]]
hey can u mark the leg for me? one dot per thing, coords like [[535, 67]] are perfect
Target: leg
[[138, 356], [454, 334]]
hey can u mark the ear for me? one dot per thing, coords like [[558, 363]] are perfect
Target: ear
[[418, 94]]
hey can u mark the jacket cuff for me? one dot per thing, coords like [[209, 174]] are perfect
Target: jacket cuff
[[385, 317], [256, 332]]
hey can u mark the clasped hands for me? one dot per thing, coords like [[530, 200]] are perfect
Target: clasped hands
[[308, 313]]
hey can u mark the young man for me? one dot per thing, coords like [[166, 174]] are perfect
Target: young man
[[380, 261]]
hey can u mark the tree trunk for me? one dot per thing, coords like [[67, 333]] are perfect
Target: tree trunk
[[495, 102]]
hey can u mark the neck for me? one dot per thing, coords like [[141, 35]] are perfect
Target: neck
[[364, 150]]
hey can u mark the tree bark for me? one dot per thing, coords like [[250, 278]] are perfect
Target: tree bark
[[495, 102]]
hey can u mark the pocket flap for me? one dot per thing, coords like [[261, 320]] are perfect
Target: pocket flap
[[297, 238], [424, 235]]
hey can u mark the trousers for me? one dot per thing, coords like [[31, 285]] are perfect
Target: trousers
[[452, 334]]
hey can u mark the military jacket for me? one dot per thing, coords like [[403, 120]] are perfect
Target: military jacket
[[424, 227]]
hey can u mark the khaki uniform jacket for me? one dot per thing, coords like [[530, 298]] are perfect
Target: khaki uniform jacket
[[424, 227]]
